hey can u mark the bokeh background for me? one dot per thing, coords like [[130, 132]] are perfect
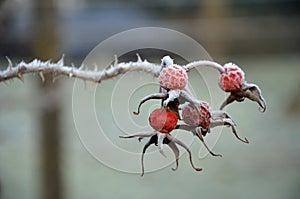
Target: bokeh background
[[41, 155]]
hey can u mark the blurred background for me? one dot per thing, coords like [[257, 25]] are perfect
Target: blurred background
[[41, 155]]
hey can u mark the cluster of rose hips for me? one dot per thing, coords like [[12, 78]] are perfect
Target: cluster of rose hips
[[177, 103]]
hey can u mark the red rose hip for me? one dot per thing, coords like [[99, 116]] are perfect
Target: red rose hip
[[173, 77], [163, 120], [233, 77], [191, 116]]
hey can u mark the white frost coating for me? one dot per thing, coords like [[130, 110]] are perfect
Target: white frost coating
[[173, 94], [160, 142], [166, 61], [202, 63], [58, 68]]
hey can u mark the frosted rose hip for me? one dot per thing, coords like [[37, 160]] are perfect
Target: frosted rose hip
[[173, 77], [163, 120], [233, 77], [191, 116]]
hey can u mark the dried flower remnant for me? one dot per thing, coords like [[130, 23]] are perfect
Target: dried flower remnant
[[196, 114], [200, 125], [163, 121], [233, 81]]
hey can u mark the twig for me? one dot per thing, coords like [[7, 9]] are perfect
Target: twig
[[206, 63], [58, 68]]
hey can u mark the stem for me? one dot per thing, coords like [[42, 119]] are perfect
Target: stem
[[58, 68], [202, 63]]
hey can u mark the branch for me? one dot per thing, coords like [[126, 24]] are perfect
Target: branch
[[58, 68], [201, 63]]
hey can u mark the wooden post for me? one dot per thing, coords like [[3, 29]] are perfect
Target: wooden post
[[45, 47]]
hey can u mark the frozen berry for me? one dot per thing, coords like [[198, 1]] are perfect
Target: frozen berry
[[173, 77], [191, 116], [163, 120], [233, 77]]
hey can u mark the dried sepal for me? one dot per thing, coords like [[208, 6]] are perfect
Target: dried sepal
[[253, 93], [175, 150], [154, 140], [139, 135], [197, 131], [160, 142], [173, 139], [250, 91], [149, 97], [245, 140], [221, 118]]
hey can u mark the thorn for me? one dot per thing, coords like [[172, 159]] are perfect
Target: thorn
[[22, 63], [139, 59], [81, 67], [48, 62], [41, 74], [35, 62], [95, 67], [109, 67], [72, 70], [10, 65], [61, 61], [116, 60], [20, 77]]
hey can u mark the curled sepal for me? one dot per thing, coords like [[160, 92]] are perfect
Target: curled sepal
[[253, 93], [231, 98], [153, 140], [149, 97], [245, 140], [175, 150], [186, 148], [140, 135], [250, 91], [160, 143], [199, 135], [197, 131], [221, 118]]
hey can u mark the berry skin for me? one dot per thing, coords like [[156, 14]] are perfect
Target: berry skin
[[233, 77], [173, 77], [163, 120], [191, 116]]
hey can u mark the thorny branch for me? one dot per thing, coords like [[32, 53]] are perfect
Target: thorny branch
[[247, 90], [59, 69]]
